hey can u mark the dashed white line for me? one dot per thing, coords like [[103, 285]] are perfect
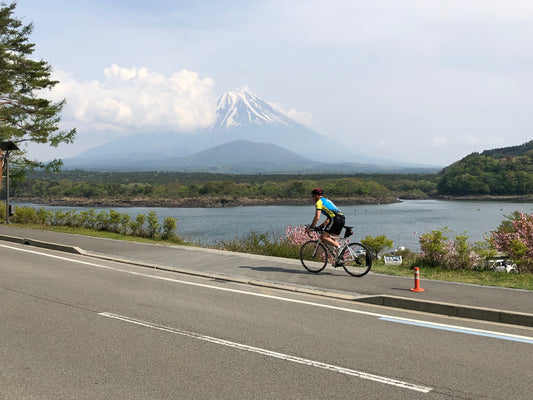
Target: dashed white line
[[274, 354]]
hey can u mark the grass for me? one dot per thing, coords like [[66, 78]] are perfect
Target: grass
[[485, 278], [264, 244]]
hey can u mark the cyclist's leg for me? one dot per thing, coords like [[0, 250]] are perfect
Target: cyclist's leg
[[327, 238], [333, 230]]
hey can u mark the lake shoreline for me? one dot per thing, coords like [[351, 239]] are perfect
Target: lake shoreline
[[486, 197], [220, 202], [402, 221], [199, 202]]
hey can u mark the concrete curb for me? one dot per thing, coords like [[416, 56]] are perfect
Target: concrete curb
[[46, 245], [453, 310], [449, 309]]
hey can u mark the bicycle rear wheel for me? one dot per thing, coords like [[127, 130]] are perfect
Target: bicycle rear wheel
[[357, 259], [313, 256]]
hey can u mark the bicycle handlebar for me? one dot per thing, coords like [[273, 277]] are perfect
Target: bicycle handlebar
[[314, 229]]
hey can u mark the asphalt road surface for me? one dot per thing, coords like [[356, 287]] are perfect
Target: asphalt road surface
[[75, 327]]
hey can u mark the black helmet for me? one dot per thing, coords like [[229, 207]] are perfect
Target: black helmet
[[317, 191]]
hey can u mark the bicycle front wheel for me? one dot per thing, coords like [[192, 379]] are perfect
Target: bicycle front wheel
[[313, 256], [357, 259]]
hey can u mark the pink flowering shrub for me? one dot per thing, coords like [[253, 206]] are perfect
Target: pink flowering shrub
[[296, 235], [515, 237], [437, 250]]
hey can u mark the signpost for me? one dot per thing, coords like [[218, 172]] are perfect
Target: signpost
[[6, 148]]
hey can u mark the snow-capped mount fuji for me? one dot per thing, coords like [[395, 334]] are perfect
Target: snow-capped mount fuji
[[243, 108], [241, 115], [244, 124]]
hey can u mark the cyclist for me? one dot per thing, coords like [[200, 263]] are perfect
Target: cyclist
[[334, 218]]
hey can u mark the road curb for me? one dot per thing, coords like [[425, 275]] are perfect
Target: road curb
[[433, 307], [39, 243], [449, 309]]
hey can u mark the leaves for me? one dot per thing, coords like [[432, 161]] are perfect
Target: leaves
[[24, 114], [493, 172], [514, 236], [377, 244]]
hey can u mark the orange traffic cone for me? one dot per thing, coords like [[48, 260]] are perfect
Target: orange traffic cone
[[417, 287]]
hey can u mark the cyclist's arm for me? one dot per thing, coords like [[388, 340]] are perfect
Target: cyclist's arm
[[317, 217]]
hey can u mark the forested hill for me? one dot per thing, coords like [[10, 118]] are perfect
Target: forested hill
[[504, 171], [513, 151]]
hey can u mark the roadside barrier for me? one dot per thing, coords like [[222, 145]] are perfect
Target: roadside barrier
[[417, 287]]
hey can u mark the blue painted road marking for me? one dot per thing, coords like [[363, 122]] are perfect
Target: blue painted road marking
[[451, 328]]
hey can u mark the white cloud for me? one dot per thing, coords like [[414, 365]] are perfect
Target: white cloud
[[137, 98], [303, 117], [439, 141], [471, 140]]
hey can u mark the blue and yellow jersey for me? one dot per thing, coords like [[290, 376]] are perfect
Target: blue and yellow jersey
[[327, 208]]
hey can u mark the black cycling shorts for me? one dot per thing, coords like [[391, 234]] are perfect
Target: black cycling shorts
[[335, 225]]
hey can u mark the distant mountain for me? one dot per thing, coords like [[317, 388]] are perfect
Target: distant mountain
[[242, 157], [242, 109], [241, 117], [239, 155]]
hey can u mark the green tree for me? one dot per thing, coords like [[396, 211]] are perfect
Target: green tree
[[377, 244], [25, 115]]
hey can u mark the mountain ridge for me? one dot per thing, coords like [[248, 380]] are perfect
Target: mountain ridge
[[240, 116]]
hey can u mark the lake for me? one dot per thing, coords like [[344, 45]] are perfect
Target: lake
[[401, 222]]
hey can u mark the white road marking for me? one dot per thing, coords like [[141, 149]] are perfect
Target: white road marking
[[470, 331], [274, 354], [225, 289]]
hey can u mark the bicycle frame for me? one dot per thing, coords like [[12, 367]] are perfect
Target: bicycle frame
[[342, 241], [354, 257]]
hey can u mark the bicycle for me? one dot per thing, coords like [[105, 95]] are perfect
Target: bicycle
[[354, 257]]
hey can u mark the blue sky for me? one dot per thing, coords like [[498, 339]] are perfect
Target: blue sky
[[425, 81]]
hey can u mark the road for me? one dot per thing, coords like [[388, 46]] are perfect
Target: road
[[75, 327]]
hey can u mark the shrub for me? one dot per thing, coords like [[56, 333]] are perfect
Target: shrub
[[169, 226], [24, 215], [515, 237], [153, 224], [438, 251], [110, 221], [137, 226], [434, 247], [377, 244], [264, 244], [43, 217], [125, 223], [88, 219]]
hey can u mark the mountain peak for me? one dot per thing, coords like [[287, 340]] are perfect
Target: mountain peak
[[242, 107]]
